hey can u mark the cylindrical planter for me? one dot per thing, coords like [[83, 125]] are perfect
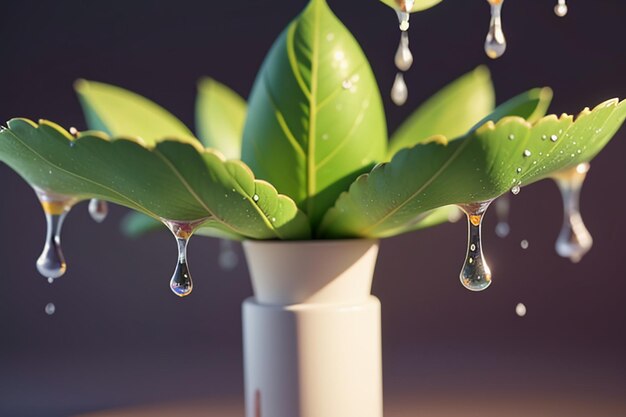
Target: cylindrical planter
[[312, 345]]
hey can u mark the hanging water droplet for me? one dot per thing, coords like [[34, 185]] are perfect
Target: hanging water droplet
[[561, 8], [475, 275], [399, 91], [50, 309], [227, 258], [574, 240], [495, 43], [503, 204], [520, 309], [98, 209], [51, 263], [404, 57], [181, 283], [524, 244], [346, 84], [516, 189], [518, 170], [74, 132], [50, 280], [404, 13]]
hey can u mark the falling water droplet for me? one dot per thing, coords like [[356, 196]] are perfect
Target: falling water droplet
[[50, 309], [520, 309], [51, 263], [181, 283], [554, 138], [561, 8], [399, 91], [495, 44], [227, 258], [98, 209], [404, 57], [50, 280], [524, 244], [475, 275], [503, 205], [574, 240]]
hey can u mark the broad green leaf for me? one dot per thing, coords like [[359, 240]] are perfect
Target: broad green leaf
[[315, 116], [220, 115], [451, 112], [171, 180], [479, 167], [120, 112], [136, 224], [418, 6]]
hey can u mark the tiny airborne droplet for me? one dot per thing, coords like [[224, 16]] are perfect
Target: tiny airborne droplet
[[495, 43], [51, 263], [475, 275], [98, 210], [503, 205], [574, 240], [399, 91], [404, 57], [50, 309], [561, 8], [520, 309], [524, 244]]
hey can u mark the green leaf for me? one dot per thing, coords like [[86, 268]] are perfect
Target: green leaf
[[418, 6], [451, 112], [171, 180], [220, 116], [479, 167], [315, 116], [120, 112]]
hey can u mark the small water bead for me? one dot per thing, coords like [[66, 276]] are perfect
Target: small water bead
[[475, 275], [50, 309], [404, 57], [98, 210], [561, 8], [181, 283], [516, 190], [527, 153], [518, 170], [511, 136], [524, 244], [255, 197], [574, 240], [554, 138], [495, 43], [544, 137], [51, 263], [503, 205], [399, 91], [520, 310]]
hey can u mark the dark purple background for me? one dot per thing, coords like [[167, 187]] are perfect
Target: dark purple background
[[120, 337]]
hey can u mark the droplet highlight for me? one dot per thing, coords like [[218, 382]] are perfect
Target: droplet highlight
[[475, 275], [524, 244], [51, 263], [574, 240], [98, 210], [399, 91], [495, 43], [561, 8]]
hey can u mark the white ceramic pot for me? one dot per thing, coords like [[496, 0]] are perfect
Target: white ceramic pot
[[312, 344]]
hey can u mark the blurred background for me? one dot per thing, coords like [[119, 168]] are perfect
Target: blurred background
[[119, 337]]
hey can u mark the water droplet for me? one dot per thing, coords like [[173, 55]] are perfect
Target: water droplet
[[516, 189], [511, 136], [524, 244], [98, 209], [475, 275], [495, 43], [503, 204], [518, 170], [399, 91], [520, 309], [560, 9], [50, 309], [227, 259], [255, 197], [527, 153], [574, 240], [544, 137], [181, 283], [346, 84], [404, 57], [74, 132], [554, 138], [51, 263], [50, 280], [330, 37]]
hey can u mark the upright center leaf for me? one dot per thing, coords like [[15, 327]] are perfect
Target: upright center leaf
[[315, 119]]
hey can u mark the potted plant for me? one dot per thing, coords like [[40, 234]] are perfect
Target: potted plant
[[305, 176]]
